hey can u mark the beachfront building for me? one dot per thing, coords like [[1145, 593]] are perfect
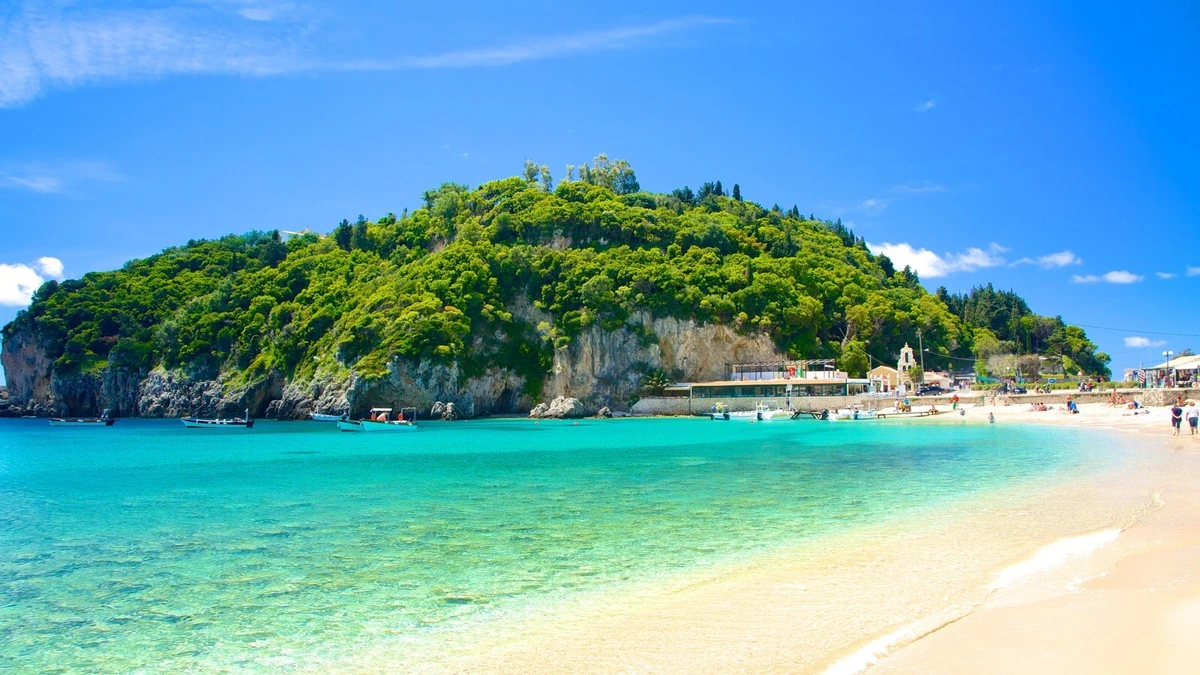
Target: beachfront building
[[776, 379], [884, 379], [1175, 372]]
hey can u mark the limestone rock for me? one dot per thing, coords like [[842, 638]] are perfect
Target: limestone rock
[[437, 410], [604, 412], [565, 408], [450, 413], [538, 411]]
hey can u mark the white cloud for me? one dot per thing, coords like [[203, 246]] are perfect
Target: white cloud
[[1137, 342], [927, 106], [1193, 271], [46, 46], [1114, 277], [19, 281], [49, 178], [1060, 259], [931, 265], [1122, 277], [1165, 275]]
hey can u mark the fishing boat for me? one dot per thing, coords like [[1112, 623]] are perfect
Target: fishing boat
[[219, 423], [104, 420], [377, 420], [763, 412], [324, 417]]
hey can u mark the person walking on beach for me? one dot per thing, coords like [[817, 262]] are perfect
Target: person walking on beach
[[1192, 414], [1176, 418]]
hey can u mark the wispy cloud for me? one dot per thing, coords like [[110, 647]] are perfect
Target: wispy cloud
[[873, 205], [1165, 275], [542, 48], [46, 46], [931, 265], [1193, 271], [18, 281], [918, 188], [926, 106], [55, 177], [1138, 342], [1114, 277], [1052, 260]]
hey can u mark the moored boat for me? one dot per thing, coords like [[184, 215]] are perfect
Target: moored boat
[[377, 420], [324, 417], [853, 414], [717, 412], [219, 423], [104, 420], [763, 412]]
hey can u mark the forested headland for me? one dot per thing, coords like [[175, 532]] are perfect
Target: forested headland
[[507, 272]]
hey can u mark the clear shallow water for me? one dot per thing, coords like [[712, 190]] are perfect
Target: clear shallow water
[[148, 546]]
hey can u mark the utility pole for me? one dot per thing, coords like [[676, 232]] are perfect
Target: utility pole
[[921, 346]]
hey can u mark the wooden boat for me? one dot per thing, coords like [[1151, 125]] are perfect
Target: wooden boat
[[232, 423], [325, 417], [104, 420], [377, 420]]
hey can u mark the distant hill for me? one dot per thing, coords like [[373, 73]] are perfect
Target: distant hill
[[502, 277]]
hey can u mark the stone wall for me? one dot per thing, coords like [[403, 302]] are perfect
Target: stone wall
[[690, 406]]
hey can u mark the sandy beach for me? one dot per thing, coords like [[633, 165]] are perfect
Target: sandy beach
[[1021, 582]]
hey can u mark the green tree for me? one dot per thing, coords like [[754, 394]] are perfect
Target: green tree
[[737, 192]]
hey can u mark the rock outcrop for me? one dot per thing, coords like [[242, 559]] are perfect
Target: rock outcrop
[[560, 408], [599, 369]]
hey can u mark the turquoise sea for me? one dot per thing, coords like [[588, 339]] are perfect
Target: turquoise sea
[[150, 547]]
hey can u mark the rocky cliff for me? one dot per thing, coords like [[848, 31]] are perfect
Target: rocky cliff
[[599, 367]]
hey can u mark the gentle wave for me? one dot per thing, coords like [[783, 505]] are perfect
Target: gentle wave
[[1053, 555], [1046, 558]]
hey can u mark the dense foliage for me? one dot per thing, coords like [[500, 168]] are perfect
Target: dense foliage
[[1002, 323], [501, 276]]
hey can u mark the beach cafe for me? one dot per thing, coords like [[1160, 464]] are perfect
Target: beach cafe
[[1175, 372], [782, 379]]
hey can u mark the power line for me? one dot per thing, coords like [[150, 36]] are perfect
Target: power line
[[1134, 330]]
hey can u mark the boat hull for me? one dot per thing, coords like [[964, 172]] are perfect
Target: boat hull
[[321, 417], [194, 423], [367, 425], [81, 422]]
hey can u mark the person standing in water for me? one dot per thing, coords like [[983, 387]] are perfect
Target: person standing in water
[[1176, 419], [991, 418]]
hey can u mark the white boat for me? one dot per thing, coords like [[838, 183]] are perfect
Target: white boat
[[763, 412], [377, 420], [219, 423], [853, 414], [323, 417], [104, 420]]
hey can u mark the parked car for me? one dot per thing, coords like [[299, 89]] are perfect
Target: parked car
[[931, 390]]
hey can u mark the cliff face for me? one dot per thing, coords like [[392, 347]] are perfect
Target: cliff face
[[604, 368], [600, 368]]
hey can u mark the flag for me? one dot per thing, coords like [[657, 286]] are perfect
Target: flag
[[1141, 377]]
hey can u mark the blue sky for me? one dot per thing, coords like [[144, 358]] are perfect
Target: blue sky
[[1051, 150]]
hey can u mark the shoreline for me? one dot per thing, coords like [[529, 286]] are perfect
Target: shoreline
[[817, 608]]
